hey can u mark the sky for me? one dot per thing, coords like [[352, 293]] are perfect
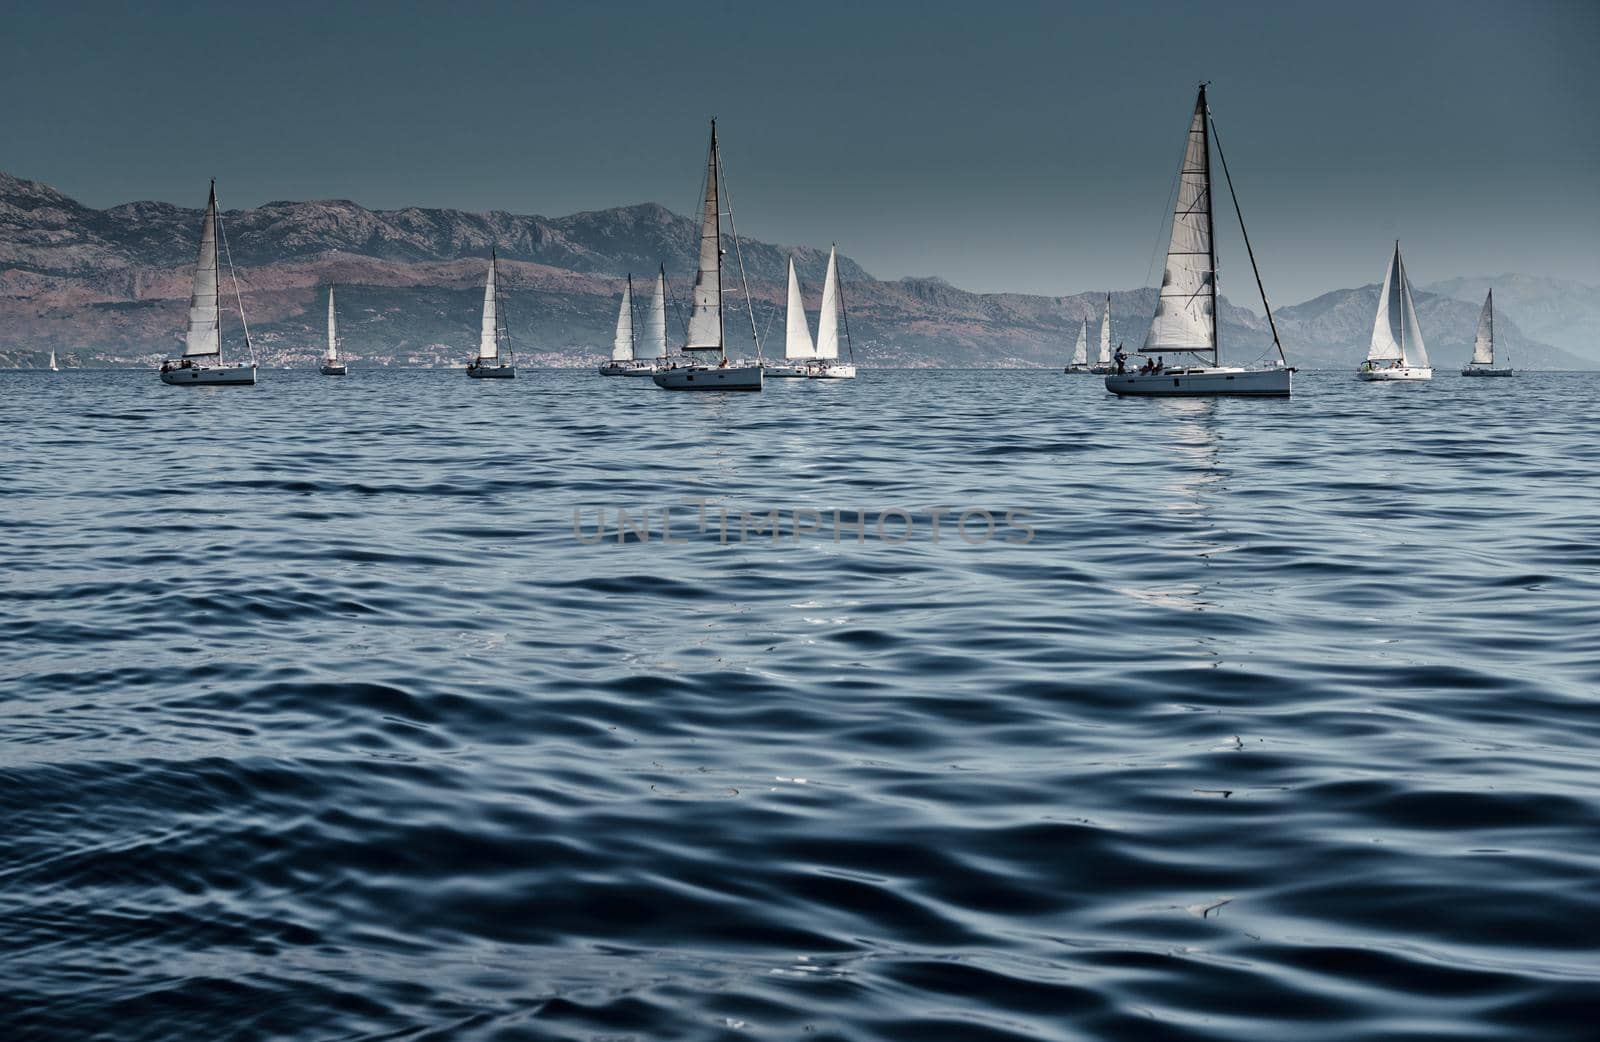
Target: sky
[[1006, 145]]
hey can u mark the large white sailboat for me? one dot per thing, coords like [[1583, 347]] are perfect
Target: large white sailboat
[[624, 344], [201, 363], [494, 360], [1080, 351], [332, 364], [1482, 363], [1396, 351], [1185, 321], [705, 316], [798, 349], [827, 366]]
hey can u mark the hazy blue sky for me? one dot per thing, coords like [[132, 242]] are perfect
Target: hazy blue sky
[[1002, 145]]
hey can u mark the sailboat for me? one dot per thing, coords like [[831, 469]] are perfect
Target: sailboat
[[493, 363], [1080, 351], [53, 367], [624, 343], [331, 363], [798, 350], [1103, 363], [1482, 363], [1185, 322], [705, 315], [201, 363], [827, 366], [1396, 351]]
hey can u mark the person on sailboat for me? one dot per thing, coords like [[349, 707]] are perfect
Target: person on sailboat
[[1122, 359]]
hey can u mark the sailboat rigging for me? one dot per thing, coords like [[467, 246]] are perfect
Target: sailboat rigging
[[494, 359], [1483, 347], [1396, 351], [1185, 320], [201, 363], [332, 365], [706, 329]]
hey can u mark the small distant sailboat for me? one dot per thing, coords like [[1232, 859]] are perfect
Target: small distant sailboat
[[827, 366], [624, 344], [201, 363], [331, 363], [494, 360], [1396, 351], [1185, 321], [798, 349], [1482, 363], [1102, 362], [53, 367], [1080, 350], [705, 315]]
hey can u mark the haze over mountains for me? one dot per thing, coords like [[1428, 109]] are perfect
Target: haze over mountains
[[110, 287]]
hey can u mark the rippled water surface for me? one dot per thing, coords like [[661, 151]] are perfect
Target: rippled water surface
[[318, 720]]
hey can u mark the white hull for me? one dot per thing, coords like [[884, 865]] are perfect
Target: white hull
[[1221, 380], [635, 368], [787, 371], [710, 378], [492, 372], [1078, 370], [242, 374], [1396, 372], [1485, 371], [334, 369], [831, 371]]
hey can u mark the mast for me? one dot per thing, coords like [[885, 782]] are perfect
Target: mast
[[1262, 289], [333, 333], [1400, 264], [656, 332], [828, 320], [1211, 227], [705, 315]]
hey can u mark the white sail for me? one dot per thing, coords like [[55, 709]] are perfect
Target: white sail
[[202, 337], [1395, 336], [1105, 333], [1080, 353], [53, 367], [622, 342], [333, 330], [705, 316], [828, 321], [1483, 346], [488, 337], [1184, 319], [797, 340], [655, 329]]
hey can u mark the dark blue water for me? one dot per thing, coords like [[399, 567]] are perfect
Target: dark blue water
[[318, 721]]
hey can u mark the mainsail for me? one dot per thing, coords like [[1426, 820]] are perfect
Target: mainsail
[[1080, 353], [655, 326], [489, 337], [797, 340], [828, 321], [1105, 333], [333, 330], [202, 337], [1483, 346], [705, 316], [1185, 318], [1395, 334], [622, 343]]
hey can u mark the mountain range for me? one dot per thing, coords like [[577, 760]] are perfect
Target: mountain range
[[109, 287]]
